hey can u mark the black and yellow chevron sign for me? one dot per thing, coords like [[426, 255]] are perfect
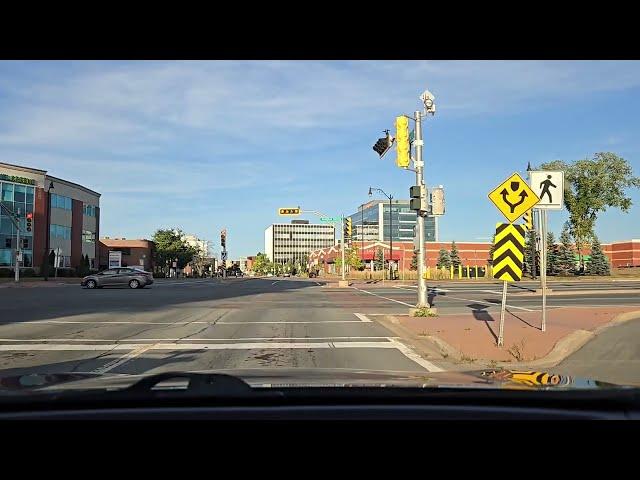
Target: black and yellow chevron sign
[[508, 252], [528, 220]]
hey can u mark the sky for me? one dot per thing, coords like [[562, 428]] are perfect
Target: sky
[[203, 146]]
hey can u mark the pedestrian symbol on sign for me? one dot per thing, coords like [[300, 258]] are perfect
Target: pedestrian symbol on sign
[[545, 188]]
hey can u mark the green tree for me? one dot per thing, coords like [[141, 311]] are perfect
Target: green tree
[[378, 262], [552, 254], [592, 186], [530, 254], [169, 245], [261, 264], [353, 258], [566, 253], [598, 263], [454, 256], [444, 260], [492, 249]]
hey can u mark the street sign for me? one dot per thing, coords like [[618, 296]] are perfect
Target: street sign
[[508, 253], [289, 211], [115, 259], [330, 219], [549, 186], [513, 197]]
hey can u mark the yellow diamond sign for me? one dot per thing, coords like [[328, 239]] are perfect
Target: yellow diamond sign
[[513, 197]]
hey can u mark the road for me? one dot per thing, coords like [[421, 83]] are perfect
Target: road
[[242, 323]]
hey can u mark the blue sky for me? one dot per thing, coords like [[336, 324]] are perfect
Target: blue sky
[[208, 145]]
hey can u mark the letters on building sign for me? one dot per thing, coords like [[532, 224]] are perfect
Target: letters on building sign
[[15, 179]]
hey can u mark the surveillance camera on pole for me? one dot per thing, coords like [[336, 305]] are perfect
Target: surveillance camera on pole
[[429, 102]]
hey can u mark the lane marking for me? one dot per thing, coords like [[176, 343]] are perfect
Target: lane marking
[[386, 298], [180, 339], [363, 317], [278, 322], [124, 359], [276, 282], [413, 356], [97, 322], [488, 303]]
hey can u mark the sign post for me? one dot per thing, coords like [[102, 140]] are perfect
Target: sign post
[[549, 186]]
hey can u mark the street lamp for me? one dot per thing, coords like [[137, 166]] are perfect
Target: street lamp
[[45, 264], [390, 197]]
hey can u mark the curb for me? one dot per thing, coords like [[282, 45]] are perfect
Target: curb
[[574, 292], [564, 347]]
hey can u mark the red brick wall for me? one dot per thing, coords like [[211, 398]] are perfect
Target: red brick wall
[[76, 233], [39, 228]]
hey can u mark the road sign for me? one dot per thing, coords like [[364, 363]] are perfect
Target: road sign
[[330, 219], [549, 186], [288, 211], [513, 197], [115, 259], [508, 253]]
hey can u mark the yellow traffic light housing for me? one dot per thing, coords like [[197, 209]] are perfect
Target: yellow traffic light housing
[[347, 227], [288, 211], [403, 147]]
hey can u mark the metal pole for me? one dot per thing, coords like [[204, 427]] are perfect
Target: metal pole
[[418, 163], [543, 266], [342, 223], [502, 309], [390, 239], [17, 265]]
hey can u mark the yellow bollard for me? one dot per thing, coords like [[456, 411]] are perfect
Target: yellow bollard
[[459, 271], [476, 272], [451, 272], [468, 271], [428, 273]]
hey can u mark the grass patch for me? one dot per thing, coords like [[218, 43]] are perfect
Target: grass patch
[[424, 312], [517, 350]]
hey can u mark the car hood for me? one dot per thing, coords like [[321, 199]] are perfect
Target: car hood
[[319, 377]]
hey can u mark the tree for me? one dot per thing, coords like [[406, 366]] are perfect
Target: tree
[[566, 255], [261, 265], [552, 254], [353, 258], [531, 254], [454, 257], [592, 186], [169, 246], [378, 263], [492, 249], [599, 263], [444, 260]]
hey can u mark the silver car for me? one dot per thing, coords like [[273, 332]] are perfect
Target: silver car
[[133, 277]]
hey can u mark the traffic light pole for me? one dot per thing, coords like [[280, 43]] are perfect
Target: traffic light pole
[[419, 164], [342, 223]]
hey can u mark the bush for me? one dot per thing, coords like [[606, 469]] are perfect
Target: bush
[[6, 272], [159, 275], [27, 272], [64, 272]]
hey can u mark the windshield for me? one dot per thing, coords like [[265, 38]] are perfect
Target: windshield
[[471, 224]]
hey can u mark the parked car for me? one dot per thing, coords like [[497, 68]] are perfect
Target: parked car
[[134, 277]]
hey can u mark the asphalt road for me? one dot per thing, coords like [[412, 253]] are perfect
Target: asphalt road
[[612, 356], [250, 323], [196, 325]]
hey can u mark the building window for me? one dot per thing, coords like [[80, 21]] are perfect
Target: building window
[[58, 201], [89, 210], [60, 231]]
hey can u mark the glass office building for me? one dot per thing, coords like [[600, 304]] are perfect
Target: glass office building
[[372, 222]]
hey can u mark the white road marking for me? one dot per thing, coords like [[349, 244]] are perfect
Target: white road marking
[[362, 317], [386, 298], [410, 354], [130, 341], [124, 359], [96, 322], [284, 322], [488, 303], [276, 282]]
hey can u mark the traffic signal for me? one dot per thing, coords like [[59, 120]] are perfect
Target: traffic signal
[[223, 239], [288, 211], [403, 147], [29, 220], [383, 144], [417, 201], [347, 228]]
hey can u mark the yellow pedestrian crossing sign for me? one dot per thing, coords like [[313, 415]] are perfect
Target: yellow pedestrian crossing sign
[[513, 197], [508, 252]]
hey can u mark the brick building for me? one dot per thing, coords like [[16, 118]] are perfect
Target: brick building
[[135, 253]]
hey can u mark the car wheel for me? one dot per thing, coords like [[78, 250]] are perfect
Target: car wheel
[[91, 284], [134, 283]]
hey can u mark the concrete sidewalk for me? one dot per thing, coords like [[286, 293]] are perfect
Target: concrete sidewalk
[[473, 336]]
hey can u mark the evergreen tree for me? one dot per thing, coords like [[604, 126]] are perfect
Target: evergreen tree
[[530, 254], [492, 249], [454, 257], [444, 260], [566, 254], [379, 259], [552, 254], [599, 263], [414, 261]]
